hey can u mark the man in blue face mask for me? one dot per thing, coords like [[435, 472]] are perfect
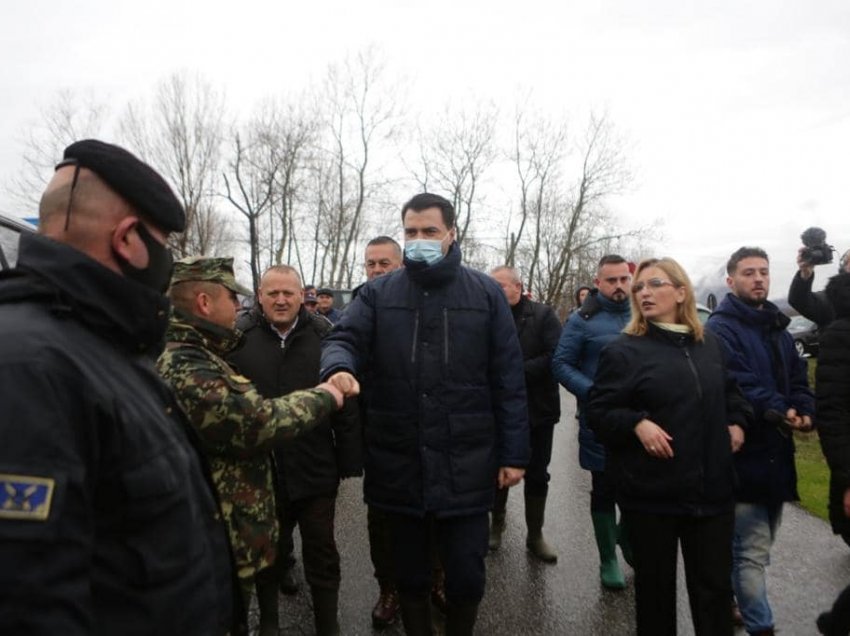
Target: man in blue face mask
[[444, 394]]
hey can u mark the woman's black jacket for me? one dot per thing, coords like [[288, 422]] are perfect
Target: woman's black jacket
[[682, 386]]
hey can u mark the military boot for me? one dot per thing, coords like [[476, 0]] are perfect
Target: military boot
[[497, 519], [325, 603], [605, 529], [416, 615], [535, 508], [266, 585]]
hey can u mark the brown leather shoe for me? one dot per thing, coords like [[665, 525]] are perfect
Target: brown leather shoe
[[438, 597], [737, 619], [386, 609]]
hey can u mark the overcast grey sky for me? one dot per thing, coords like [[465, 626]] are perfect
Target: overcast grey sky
[[737, 113]]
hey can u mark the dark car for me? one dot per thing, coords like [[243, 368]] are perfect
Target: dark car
[[10, 232], [805, 334]]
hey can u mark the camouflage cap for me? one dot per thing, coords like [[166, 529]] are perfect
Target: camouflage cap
[[212, 270]]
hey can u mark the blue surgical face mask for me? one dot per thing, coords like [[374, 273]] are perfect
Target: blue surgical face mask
[[426, 250]]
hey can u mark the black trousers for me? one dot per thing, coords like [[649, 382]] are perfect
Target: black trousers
[[707, 552], [536, 481], [380, 545], [603, 492], [461, 544], [315, 519]]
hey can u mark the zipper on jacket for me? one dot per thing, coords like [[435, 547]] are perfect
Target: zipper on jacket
[[446, 336], [694, 371], [415, 337]]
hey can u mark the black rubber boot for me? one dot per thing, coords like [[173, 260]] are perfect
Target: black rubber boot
[[497, 519], [416, 614], [535, 508], [266, 585], [325, 611], [460, 619]]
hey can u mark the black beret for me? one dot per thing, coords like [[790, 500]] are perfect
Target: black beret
[[134, 180], [325, 291]]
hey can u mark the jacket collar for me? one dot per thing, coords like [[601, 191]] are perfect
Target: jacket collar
[[189, 329], [438, 274], [125, 312], [768, 316], [596, 302]]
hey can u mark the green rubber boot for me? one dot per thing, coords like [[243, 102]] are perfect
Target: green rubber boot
[[605, 529]]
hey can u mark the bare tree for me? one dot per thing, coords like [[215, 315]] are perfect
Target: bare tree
[[359, 113], [263, 180], [455, 153], [180, 132], [539, 146], [69, 116], [575, 226]]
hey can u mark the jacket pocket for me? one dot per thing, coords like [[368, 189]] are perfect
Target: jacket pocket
[[472, 451], [157, 512], [392, 461]]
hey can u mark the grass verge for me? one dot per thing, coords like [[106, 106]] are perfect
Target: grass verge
[[812, 470]]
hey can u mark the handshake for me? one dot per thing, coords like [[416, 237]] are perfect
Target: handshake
[[341, 385]]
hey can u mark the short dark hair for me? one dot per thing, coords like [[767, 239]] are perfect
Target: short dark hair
[[610, 259], [425, 200], [384, 240], [740, 254]]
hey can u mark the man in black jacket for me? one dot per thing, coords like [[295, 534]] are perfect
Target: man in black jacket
[[108, 521], [280, 354], [813, 305], [539, 330], [382, 255], [833, 409], [446, 404]]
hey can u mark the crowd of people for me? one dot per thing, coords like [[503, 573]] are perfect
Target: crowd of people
[[161, 445]]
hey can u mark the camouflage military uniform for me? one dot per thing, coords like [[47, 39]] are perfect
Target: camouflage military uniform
[[238, 429]]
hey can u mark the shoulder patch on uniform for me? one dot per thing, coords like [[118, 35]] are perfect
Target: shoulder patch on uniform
[[25, 497]]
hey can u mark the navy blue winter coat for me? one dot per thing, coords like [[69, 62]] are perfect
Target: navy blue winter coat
[[761, 357], [589, 329], [445, 396]]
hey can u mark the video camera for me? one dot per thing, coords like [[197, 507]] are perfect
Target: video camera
[[816, 250]]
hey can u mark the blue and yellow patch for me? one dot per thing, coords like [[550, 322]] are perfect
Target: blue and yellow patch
[[25, 497]]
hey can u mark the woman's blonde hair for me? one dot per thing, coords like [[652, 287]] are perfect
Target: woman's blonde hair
[[686, 311]]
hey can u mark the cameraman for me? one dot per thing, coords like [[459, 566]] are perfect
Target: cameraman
[[813, 305]]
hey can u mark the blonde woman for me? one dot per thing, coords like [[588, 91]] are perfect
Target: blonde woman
[[671, 418]]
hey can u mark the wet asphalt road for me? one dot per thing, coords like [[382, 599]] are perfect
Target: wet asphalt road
[[810, 566]]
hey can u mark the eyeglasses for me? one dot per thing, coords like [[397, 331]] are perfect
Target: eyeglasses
[[652, 283]]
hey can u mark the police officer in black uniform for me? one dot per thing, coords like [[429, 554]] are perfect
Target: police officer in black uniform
[[108, 524]]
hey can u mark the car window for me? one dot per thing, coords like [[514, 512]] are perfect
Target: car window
[[8, 247], [10, 234]]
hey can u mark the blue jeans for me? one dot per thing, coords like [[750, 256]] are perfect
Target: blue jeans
[[755, 530]]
